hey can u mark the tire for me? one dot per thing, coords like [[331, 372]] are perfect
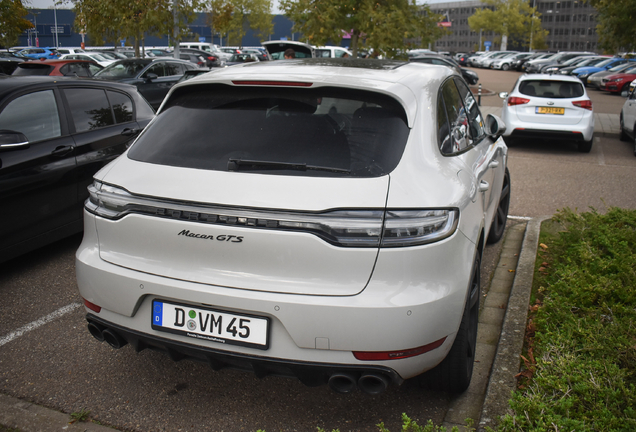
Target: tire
[[505, 66], [585, 146], [498, 225], [623, 136], [454, 373]]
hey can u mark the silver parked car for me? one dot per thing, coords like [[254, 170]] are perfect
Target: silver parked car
[[331, 228]]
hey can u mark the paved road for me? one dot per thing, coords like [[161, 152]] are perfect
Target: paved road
[[53, 361]]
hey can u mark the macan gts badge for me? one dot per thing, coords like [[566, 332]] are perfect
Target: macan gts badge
[[330, 229]]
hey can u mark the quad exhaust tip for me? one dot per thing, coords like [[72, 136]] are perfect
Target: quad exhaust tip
[[111, 337], [370, 383]]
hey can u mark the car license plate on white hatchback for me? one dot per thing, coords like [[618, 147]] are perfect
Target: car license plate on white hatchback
[[550, 110], [210, 325]]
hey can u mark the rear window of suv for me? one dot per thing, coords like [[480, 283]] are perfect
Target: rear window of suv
[[551, 88], [321, 131]]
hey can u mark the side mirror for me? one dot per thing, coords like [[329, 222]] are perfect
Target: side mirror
[[503, 95], [12, 140], [150, 77], [495, 127]]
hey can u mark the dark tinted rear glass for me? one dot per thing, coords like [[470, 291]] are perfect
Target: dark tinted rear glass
[[204, 126], [32, 69], [551, 89]]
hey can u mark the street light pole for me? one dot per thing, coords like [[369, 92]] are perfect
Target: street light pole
[[57, 44], [531, 26], [175, 11]]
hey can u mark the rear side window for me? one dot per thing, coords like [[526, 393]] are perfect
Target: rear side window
[[90, 108], [288, 131], [551, 88]]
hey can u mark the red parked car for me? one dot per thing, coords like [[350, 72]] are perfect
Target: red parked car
[[66, 67], [618, 82]]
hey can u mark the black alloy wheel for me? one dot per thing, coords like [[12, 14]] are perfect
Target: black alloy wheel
[[454, 373], [501, 214]]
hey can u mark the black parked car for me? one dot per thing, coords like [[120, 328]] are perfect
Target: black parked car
[[55, 133], [153, 77], [210, 59]]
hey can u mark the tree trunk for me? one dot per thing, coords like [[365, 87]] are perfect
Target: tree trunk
[[355, 34]]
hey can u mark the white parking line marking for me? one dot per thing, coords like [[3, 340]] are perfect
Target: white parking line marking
[[39, 322], [601, 155]]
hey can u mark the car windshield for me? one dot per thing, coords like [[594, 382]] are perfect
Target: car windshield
[[125, 69], [322, 131], [551, 89], [631, 70], [590, 62], [621, 67], [606, 62]]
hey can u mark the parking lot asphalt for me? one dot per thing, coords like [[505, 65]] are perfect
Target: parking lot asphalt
[[500, 340]]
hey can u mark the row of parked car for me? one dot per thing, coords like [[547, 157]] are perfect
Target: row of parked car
[[602, 72]]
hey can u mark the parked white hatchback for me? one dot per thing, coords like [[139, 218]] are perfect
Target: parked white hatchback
[[331, 228], [628, 117], [550, 107]]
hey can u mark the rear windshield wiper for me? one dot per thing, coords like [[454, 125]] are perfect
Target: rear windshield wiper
[[247, 165]]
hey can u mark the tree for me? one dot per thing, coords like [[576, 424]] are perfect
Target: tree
[[514, 19], [234, 17], [616, 24], [12, 22], [384, 25], [115, 20]]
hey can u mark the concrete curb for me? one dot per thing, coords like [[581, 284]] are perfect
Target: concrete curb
[[507, 361]]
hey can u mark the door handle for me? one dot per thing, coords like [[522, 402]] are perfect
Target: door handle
[[493, 164], [62, 151], [130, 132], [483, 186]]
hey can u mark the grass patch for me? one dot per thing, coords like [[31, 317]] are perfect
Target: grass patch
[[580, 354]]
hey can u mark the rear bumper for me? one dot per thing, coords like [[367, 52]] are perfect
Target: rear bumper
[[546, 134], [581, 131], [414, 298], [309, 373]]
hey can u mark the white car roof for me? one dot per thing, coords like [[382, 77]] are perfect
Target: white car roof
[[544, 77], [402, 80]]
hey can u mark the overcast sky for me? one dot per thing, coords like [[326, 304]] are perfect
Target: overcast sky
[[46, 4]]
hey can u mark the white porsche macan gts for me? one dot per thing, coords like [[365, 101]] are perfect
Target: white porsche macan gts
[[316, 218]]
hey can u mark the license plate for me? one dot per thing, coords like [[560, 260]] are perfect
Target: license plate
[[210, 324], [550, 110]]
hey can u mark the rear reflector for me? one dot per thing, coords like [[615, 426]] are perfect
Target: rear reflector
[[274, 83], [512, 101], [92, 306], [395, 355], [585, 104]]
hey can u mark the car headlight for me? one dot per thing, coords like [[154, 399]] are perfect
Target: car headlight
[[552, 69], [345, 228], [583, 76]]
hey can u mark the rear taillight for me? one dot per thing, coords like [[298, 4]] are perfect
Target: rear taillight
[[212, 58], [512, 101], [346, 228], [92, 306], [396, 355], [585, 104]]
